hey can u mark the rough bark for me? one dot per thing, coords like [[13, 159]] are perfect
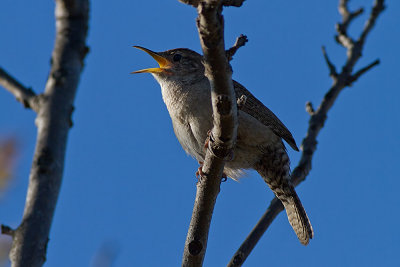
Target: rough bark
[[223, 135], [54, 109]]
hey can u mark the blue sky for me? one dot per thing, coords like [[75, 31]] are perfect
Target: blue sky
[[127, 181]]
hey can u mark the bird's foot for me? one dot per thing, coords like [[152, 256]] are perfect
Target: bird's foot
[[207, 140], [200, 172]]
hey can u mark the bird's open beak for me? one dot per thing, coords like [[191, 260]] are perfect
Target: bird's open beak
[[162, 62]]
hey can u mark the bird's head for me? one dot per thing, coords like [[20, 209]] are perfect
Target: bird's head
[[180, 63]]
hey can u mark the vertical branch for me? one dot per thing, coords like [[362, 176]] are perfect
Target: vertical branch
[[54, 108], [223, 135], [318, 117]]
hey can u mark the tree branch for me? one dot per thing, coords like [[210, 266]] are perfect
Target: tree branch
[[316, 123], [357, 75], [7, 230], [236, 3], [347, 17], [195, 3], [332, 68], [223, 135], [53, 122], [240, 41], [23, 94]]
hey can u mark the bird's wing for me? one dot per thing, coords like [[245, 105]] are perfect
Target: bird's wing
[[255, 108]]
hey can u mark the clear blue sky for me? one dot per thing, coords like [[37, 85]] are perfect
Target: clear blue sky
[[128, 182]]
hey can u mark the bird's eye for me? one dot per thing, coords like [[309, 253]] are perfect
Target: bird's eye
[[177, 57]]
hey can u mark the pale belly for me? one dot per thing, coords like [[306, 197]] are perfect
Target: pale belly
[[252, 138]]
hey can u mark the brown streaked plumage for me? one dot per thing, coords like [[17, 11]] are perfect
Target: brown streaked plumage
[[187, 94]]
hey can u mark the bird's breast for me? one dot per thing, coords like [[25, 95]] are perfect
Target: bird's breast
[[191, 114]]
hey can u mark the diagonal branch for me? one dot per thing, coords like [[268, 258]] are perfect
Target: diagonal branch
[[360, 72], [309, 144], [53, 122], [222, 139], [23, 94], [378, 7]]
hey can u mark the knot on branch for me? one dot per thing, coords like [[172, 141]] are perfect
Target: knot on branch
[[219, 148], [210, 23], [45, 161], [195, 247]]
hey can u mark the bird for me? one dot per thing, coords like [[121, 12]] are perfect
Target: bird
[[186, 92]]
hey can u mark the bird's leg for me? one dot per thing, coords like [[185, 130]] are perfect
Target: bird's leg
[[200, 172]]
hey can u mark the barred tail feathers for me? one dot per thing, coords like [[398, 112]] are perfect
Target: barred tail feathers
[[274, 168]]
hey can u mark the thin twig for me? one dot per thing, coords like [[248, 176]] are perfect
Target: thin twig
[[53, 122], [360, 72], [23, 94], [195, 3], [347, 17], [309, 144], [236, 3], [7, 230], [378, 7], [240, 41], [332, 68], [309, 108]]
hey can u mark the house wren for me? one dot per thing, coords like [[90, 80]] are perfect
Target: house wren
[[186, 92]]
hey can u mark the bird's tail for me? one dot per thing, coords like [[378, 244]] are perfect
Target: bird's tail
[[274, 168]]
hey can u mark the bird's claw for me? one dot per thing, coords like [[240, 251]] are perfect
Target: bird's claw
[[200, 172], [207, 139]]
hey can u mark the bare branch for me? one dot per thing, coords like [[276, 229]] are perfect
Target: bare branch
[[31, 237], [7, 230], [356, 75], [195, 3], [376, 10], [240, 41], [347, 17], [23, 94], [332, 68], [223, 135], [309, 144], [236, 3], [309, 108]]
